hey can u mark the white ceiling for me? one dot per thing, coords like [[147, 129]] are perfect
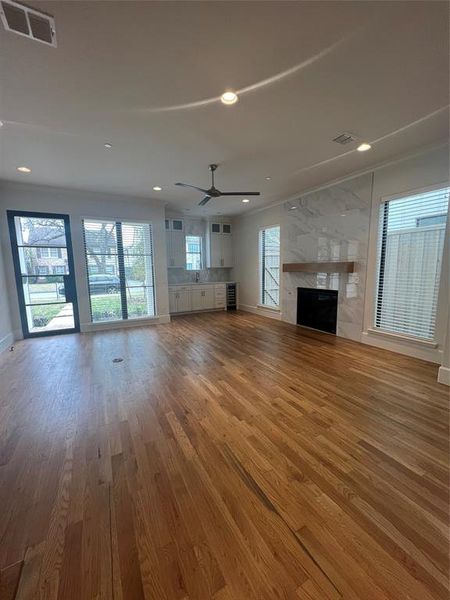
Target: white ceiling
[[314, 69]]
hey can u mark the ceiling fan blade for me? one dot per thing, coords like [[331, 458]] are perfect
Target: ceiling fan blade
[[205, 200], [192, 186], [240, 193]]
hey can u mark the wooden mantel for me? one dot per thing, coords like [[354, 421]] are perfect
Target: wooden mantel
[[320, 267]]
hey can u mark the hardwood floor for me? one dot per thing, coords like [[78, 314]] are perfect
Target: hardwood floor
[[228, 457]]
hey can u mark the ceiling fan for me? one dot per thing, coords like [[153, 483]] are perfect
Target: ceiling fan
[[213, 192]]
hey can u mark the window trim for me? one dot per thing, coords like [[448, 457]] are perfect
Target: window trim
[[260, 303], [370, 304]]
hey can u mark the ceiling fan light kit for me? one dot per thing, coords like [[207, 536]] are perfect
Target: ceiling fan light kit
[[213, 192]]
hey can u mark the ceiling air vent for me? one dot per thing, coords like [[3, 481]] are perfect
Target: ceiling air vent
[[344, 138], [26, 21]]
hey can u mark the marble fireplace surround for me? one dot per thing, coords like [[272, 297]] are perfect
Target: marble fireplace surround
[[329, 225]]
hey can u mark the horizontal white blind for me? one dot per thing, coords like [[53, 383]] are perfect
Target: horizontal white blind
[[119, 258], [410, 246], [269, 260]]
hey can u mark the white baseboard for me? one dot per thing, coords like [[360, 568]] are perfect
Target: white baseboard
[[433, 355], [444, 375], [91, 327], [7, 341], [262, 312]]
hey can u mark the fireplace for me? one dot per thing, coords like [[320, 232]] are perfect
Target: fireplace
[[317, 309]]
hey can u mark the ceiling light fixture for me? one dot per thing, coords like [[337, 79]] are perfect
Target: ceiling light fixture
[[24, 169], [245, 200], [1, 123], [157, 188], [229, 98], [364, 147], [108, 146]]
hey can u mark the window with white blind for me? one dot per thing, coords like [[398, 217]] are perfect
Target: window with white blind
[[269, 265], [119, 258], [410, 246]]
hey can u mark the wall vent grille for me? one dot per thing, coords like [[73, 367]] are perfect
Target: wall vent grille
[[344, 138], [28, 22]]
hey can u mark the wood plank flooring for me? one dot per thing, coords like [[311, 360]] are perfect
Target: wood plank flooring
[[228, 457]]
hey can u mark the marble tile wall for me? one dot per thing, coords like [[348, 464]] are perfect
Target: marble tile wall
[[329, 225]]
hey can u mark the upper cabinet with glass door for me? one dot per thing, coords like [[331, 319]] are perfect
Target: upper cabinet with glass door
[[219, 245]]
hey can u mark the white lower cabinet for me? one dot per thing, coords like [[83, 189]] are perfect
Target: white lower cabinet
[[202, 297], [197, 297], [180, 299]]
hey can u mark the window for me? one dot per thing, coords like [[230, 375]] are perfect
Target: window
[[59, 270], [269, 264], [410, 246], [48, 252], [193, 252], [119, 258]]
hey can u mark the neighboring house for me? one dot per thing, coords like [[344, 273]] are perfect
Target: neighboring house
[[51, 257]]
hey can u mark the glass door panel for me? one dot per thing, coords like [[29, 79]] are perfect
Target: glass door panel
[[43, 263]]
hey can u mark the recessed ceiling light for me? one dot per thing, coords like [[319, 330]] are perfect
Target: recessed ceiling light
[[364, 147], [293, 208], [268, 178], [108, 146], [1, 123], [24, 170], [245, 200], [229, 98], [157, 188]]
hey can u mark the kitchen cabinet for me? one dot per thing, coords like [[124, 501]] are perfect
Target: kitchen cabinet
[[197, 297], [175, 243], [180, 299], [202, 297], [219, 245]]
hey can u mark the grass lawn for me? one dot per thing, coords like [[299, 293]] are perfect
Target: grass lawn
[[105, 308], [43, 314]]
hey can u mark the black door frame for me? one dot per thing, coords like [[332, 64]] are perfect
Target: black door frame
[[18, 273]]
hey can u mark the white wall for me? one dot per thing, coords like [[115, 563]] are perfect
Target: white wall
[[79, 205], [6, 330], [321, 207]]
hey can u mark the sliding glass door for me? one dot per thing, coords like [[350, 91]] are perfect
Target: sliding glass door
[[43, 263]]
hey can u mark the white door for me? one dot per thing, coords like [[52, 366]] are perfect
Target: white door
[[169, 248], [178, 249], [172, 301], [208, 297], [184, 300], [216, 250], [227, 250], [197, 298]]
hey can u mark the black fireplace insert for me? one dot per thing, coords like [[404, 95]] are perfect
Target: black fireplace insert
[[317, 309]]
